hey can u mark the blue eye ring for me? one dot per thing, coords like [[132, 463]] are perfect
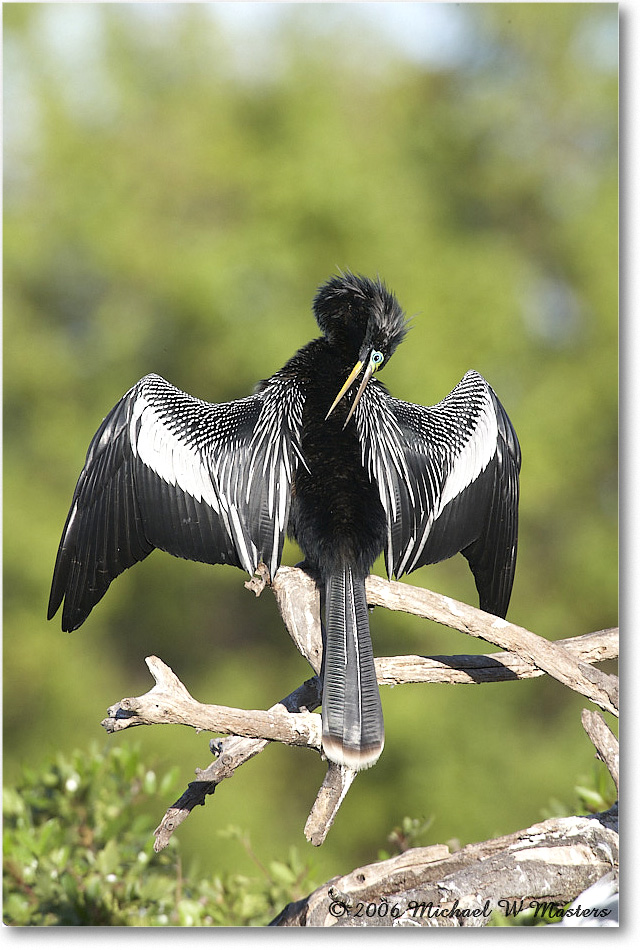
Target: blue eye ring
[[376, 358]]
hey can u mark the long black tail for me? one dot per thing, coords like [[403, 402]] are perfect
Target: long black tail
[[351, 709]]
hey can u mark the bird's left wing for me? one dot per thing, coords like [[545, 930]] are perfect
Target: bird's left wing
[[199, 480], [448, 479]]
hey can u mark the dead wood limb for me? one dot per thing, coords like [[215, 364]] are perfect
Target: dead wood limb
[[231, 753], [334, 789], [549, 656], [297, 596], [606, 745], [170, 702], [292, 721], [489, 667], [552, 861]]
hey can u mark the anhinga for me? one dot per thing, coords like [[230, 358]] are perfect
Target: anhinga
[[346, 474]]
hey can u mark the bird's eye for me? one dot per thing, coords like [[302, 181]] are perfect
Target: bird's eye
[[377, 357]]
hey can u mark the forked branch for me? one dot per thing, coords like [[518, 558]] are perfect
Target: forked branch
[[292, 720], [170, 702]]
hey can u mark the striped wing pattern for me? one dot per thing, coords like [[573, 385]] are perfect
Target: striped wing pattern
[[201, 481], [448, 480]]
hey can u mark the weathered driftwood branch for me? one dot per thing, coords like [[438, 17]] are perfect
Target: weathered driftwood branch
[[292, 721], [170, 702], [235, 751], [231, 753], [546, 865], [488, 667], [288, 721], [551, 862], [298, 600], [606, 745], [549, 656], [334, 789]]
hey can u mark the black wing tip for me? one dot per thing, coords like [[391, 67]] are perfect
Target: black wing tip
[[495, 590], [497, 610], [70, 627], [71, 619], [56, 595]]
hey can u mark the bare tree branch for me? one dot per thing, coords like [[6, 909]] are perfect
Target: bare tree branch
[[170, 702], [297, 597], [550, 657], [231, 753], [490, 667], [292, 721], [551, 862], [334, 789], [607, 746], [297, 591]]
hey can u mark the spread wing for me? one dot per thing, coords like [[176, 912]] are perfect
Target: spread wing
[[201, 481], [448, 479]]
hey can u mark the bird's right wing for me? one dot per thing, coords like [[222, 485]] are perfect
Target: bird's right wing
[[448, 479], [201, 481]]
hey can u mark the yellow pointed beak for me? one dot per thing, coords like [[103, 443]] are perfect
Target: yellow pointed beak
[[348, 383], [346, 386]]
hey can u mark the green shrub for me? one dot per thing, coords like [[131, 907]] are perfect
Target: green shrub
[[78, 850]]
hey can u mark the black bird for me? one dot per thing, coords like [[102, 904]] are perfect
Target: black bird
[[346, 474]]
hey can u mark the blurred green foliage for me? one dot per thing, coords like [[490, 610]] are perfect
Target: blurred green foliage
[[76, 853], [174, 193]]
